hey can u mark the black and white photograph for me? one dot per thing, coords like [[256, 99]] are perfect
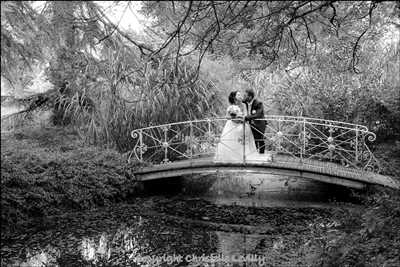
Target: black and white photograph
[[200, 133]]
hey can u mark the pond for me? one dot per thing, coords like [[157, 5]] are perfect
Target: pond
[[179, 230]]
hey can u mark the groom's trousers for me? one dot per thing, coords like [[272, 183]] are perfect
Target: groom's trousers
[[259, 139]]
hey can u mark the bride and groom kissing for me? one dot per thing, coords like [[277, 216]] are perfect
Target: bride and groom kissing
[[237, 139]]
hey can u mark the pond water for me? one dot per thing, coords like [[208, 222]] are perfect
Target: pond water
[[162, 231], [179, 230]]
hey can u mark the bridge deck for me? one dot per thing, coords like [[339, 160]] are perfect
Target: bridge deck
[[280, 165]]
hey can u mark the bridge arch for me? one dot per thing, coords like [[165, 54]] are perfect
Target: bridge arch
[[325, 150]]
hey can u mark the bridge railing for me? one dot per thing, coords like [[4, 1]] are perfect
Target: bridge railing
[[298, 137]]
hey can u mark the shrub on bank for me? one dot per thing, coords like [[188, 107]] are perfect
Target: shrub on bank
[[375, 241], [45, 171], [373, 236]]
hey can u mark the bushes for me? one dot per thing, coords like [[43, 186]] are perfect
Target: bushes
[[374, 242], [373, 235], [129, 93], [39, 178]]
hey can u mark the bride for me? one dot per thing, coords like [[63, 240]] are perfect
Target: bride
[[230, 147]]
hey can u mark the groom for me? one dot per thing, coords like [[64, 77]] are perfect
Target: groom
[[255, 110]]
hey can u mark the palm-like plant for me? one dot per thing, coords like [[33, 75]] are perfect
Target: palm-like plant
[[103, 86]]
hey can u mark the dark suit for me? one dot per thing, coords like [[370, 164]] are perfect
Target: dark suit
[[256, 111]]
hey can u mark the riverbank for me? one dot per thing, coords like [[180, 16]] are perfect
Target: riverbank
[[47, 171]]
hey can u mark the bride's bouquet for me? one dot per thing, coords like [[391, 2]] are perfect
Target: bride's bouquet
[[235, 113]]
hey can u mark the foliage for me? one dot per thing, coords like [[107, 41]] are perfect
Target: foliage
[[374, 240], [323, 87], [32, 37], [102, 85], [19, 38], [106, 82], [131, 94], [263, 31], [45, 171], [324, 92], [371, 234]]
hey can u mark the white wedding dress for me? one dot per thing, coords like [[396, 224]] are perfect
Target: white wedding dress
[[230, 147]]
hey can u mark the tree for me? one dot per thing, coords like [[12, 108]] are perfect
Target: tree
[[264, 30], [103, 85]]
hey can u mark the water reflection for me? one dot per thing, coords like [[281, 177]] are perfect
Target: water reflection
[[129, 244], [262, 190], [120, 247], [91, 251], [126, 247], [144, 245], [118, 238], [43, 258]]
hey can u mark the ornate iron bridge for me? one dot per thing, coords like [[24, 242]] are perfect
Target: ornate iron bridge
[[300, 137], [305, 141]]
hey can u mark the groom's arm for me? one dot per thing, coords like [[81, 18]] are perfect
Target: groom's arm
[[258, 114]]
